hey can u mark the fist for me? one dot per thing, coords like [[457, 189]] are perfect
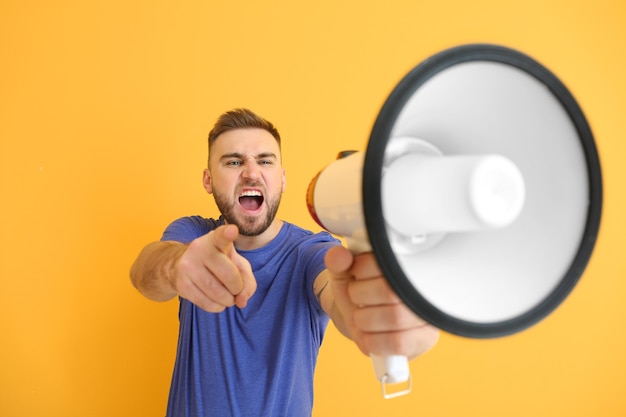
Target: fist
[[378, 321], [212, 275]]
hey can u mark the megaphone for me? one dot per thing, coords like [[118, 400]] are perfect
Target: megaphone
[[479, 193]]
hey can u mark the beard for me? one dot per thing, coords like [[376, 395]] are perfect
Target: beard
[[248, 225]]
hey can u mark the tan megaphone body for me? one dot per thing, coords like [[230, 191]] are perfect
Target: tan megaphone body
[[445, 195], [479, 194]]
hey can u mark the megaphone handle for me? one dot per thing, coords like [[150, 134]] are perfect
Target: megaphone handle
[[392, 369]]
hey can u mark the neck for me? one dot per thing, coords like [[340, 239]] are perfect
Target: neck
[[258, 241]]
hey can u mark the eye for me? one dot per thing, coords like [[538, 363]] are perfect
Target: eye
[[233, 162], [265, 162]]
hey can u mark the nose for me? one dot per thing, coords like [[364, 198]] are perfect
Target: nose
[[251, 170]]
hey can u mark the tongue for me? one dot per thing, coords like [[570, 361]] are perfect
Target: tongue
[[250, 203]]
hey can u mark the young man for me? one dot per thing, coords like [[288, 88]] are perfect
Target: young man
[[256, 292]]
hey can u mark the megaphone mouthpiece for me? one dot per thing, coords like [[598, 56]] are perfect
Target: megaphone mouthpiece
[[424, 194]]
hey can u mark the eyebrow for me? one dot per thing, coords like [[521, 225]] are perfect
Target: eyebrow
[[238, 155]]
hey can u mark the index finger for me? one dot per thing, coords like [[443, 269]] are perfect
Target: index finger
[[223, 238], [222, 263], [365, 266]]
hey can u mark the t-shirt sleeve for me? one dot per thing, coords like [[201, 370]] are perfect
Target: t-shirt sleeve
[[315, 254], [186, 229]]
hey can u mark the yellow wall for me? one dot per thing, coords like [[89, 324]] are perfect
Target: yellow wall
[[104, 111]]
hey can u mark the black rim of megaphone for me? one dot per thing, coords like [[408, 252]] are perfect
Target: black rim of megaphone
[[372, 204]]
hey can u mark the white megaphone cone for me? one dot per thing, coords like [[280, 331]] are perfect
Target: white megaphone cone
[[479, 194]]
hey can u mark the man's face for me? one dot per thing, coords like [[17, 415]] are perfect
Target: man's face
[[246, 178]]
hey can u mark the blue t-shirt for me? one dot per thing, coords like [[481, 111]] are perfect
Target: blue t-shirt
[[259, 360]]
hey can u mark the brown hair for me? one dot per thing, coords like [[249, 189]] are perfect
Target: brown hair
[[241, 119]]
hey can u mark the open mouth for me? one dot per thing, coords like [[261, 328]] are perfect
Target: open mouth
[[251, 200]]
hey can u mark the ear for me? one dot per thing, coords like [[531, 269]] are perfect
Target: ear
[[206, 181], [284, 181]]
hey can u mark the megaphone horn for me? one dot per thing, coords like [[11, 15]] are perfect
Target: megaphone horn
[[479, 193]]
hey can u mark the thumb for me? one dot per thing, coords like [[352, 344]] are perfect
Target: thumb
[[338, 261]]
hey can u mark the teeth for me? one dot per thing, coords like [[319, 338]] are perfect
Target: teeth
[[251, 193]]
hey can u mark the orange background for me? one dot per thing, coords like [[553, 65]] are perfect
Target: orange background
[[104, 111]]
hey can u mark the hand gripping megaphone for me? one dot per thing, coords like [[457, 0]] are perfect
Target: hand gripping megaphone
[[479, 193]]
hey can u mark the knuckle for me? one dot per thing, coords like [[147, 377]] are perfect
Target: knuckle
[[398, 316], [212, 307], [387, 344], [250, 287], [182, 287], [216, 291], [184, 264]]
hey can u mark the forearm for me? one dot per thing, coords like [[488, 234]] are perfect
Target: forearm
[[326, 296], [154, 270]]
